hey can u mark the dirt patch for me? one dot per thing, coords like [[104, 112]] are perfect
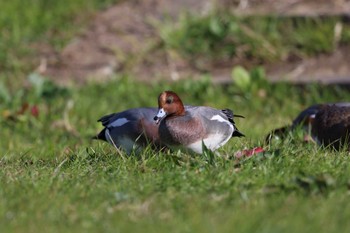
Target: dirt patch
[[326, 68], [124, 39]]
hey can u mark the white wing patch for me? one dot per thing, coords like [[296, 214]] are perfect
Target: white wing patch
[[218, 118], [118, 122]]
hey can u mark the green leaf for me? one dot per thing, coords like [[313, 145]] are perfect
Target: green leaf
[[241, 78], [215, 26]]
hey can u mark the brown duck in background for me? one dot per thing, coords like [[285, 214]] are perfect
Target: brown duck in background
[[328, 124]]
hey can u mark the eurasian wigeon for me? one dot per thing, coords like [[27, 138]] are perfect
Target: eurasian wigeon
[[191, 126], [329, 124], [131, 129]]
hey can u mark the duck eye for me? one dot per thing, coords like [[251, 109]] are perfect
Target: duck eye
[[169, 100]]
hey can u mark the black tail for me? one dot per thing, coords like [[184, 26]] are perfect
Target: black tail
[[230, 116], [101, 135], [236, 133]]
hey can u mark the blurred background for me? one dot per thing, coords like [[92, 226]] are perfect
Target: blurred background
[[72, 42]]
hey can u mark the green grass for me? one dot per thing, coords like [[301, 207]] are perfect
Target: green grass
[[101, 192], [27, 25], [221, 36], [54, 178]]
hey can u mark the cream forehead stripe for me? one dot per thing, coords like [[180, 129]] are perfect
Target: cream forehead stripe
[[118, 122], [163, 97]]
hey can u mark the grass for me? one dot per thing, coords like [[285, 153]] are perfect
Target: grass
[[154, 194], [221, 36], [26, 26], [54, 178]]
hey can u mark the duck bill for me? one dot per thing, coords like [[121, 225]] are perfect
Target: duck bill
[[160, 115]]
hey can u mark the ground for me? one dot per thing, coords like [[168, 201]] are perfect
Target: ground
[[124, 38]]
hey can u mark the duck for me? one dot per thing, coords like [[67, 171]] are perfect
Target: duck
[[131, 129], [191, 127], [331, 125], [328, 124]]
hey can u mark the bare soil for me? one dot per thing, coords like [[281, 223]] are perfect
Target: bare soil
[[124, 38]]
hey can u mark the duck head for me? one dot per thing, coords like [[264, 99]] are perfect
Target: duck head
[[169, 104]]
